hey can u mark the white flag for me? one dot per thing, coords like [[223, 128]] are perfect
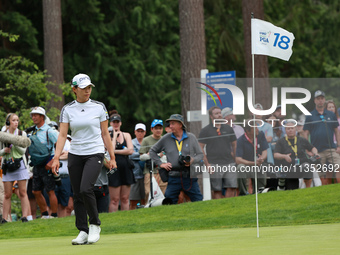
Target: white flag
[[270, 40]]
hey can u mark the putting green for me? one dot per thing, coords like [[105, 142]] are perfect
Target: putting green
[[306, 239]]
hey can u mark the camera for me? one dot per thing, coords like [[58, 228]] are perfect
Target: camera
[[57, 179], [183, 159], [316, 159], [30, 129]]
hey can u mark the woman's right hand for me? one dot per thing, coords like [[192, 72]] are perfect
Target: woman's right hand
[[7, 150]]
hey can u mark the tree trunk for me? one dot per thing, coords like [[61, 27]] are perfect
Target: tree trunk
[[193, 55], [262, 87], [53, 48]]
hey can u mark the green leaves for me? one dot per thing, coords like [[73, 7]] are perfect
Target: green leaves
[[22, 86]]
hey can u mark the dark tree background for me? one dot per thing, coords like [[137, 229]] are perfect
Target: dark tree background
[[132, 49]]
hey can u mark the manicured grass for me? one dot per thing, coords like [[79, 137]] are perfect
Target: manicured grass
[[318, 205], [303, 239]]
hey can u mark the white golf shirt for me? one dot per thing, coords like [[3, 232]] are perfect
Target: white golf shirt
[[84, 120]]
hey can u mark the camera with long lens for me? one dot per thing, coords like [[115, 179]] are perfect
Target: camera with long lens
[[30, 129], [316, 159], [57, 178], [184, 159]]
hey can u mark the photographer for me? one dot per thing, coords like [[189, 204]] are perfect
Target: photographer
[[14, 168], [182, 150], [43, 179], [291, 151]]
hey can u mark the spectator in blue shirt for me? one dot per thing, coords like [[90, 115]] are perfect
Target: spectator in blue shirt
[[322, 125]]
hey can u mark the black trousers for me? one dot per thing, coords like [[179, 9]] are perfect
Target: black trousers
[[84, 171]]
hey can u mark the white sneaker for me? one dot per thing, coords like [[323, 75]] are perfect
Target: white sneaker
[[94, 232], [81, 238], [45, 217]]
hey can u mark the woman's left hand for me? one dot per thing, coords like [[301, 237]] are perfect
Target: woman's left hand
[[55, 166], [112, 163]]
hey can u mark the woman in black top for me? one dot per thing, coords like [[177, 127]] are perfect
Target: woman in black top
[[120, 182]]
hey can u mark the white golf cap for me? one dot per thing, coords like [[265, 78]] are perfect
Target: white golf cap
[[140, 126], [226, 112], [38, 110], [81, 80]]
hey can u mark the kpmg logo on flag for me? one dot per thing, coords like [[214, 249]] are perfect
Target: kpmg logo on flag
[[264, 37], [280, 43]]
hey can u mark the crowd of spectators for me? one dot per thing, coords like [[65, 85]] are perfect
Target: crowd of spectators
[[272, 141]]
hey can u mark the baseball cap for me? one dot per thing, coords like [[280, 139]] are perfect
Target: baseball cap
[[278, 107], [319, 93], [301, 123], [290, 121], [140, 126], [38, 110], [156, 122], [177, 117], [115, 117], [226, 112], [258, 105], [81, 80]]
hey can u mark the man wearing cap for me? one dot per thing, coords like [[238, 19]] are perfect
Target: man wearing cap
[[41, 177], [148, 142], [245, 153], [278, 113], [182, 150], [219, 141], [137, 192], [291, 151], [227, 114], [322, 125]]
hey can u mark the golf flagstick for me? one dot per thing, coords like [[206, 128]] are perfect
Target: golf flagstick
[[255, 156], [279, 47]]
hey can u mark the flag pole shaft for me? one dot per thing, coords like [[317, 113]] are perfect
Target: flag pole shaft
[[255, 156]]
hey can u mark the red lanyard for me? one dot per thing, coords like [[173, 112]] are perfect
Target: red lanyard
[[252, 142]]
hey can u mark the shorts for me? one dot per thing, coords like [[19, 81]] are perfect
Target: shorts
[[331, 157], [63, 192], [42, 179], [137, 191], [29, 189], [220, 180]]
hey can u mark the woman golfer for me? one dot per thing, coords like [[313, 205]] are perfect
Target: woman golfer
[[88, 121]]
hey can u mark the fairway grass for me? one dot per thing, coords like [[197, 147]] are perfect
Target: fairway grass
[[303, 239], [320, 205]]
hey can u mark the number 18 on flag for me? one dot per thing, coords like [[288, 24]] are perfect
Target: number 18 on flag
[[270, 40]]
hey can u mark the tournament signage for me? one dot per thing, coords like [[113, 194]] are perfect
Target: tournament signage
[[221, 97]]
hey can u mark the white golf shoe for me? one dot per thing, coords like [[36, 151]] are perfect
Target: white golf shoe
[[94, 234], [81, 238]]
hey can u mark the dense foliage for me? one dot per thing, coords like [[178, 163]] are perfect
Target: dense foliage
[[130, 48]]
